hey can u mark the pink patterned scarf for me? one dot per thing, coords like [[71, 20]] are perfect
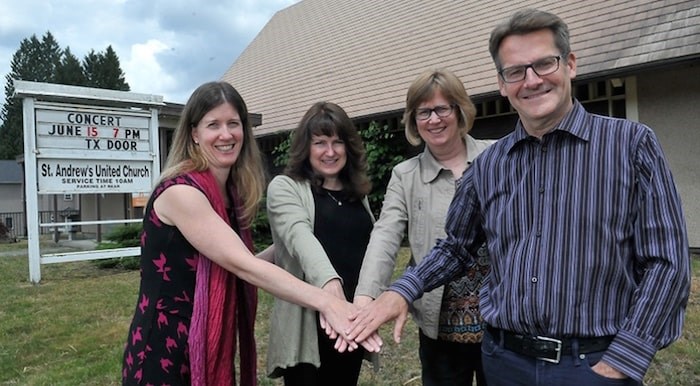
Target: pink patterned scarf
[[223, 304]]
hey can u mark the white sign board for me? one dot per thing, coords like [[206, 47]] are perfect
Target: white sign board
[[90, 176], [80, 140], [88, 149], [85, 128]]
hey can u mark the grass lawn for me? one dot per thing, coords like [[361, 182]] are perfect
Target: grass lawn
[[70, 330]]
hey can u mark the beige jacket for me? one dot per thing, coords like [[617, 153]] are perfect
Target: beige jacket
[[418, 195], [290, 208]]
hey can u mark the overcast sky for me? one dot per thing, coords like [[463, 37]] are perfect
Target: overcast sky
[[165, 47]]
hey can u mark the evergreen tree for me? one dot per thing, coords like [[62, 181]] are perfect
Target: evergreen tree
[[44, 61], [49, 59], [102, 70], [37, 61], [70, 71], [91, 65]]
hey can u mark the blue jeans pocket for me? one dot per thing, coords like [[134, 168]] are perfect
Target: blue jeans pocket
[[595, 379], [489, 347]]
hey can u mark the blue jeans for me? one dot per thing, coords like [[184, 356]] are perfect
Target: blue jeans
[[445, 363], [506, 368]]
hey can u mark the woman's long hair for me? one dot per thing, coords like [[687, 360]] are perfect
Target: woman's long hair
[[247, 174]]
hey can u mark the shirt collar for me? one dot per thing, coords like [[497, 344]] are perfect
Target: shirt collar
[[430, 167], [573, 123]]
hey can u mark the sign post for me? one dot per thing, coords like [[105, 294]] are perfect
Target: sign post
[[80, 140]]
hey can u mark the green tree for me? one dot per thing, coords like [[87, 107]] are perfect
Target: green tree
[[35, 60], [71, 70], [102, 70], [91, 64], [44, 61]]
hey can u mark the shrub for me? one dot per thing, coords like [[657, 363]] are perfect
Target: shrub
[[5, 234], [383, 153], [123, 236], [260, 229]]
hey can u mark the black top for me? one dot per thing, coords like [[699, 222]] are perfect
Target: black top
[[343, 228]]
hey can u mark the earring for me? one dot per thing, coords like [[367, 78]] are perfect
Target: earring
[[196, 142]]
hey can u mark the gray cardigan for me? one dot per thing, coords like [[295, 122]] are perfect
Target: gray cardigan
[[290, 208]]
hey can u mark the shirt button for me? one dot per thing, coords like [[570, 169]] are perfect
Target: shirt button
[[534, 280]]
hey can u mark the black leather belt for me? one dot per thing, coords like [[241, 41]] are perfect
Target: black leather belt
[[546, 348]]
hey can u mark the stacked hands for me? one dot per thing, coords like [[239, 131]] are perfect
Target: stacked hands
[[356, 324]]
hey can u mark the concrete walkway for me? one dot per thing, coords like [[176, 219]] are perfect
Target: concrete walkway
[[78, 244], [61, 246]]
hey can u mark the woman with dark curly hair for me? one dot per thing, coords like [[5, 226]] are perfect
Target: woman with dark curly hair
[[321, 222]]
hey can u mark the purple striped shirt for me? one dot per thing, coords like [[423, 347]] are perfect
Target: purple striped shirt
[[586, 233]]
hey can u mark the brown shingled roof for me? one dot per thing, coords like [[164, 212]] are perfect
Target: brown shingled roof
[[363, 54]]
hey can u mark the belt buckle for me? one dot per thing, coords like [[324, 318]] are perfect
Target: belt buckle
[[557, 349]]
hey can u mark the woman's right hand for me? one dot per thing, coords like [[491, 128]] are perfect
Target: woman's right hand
[[334, 317], [335, 320], [335, 288], [374, 340]]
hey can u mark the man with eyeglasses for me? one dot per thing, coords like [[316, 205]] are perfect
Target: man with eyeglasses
[[590, 262]]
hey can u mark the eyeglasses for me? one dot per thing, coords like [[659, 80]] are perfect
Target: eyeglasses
[[441, 111], [541, 67]]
